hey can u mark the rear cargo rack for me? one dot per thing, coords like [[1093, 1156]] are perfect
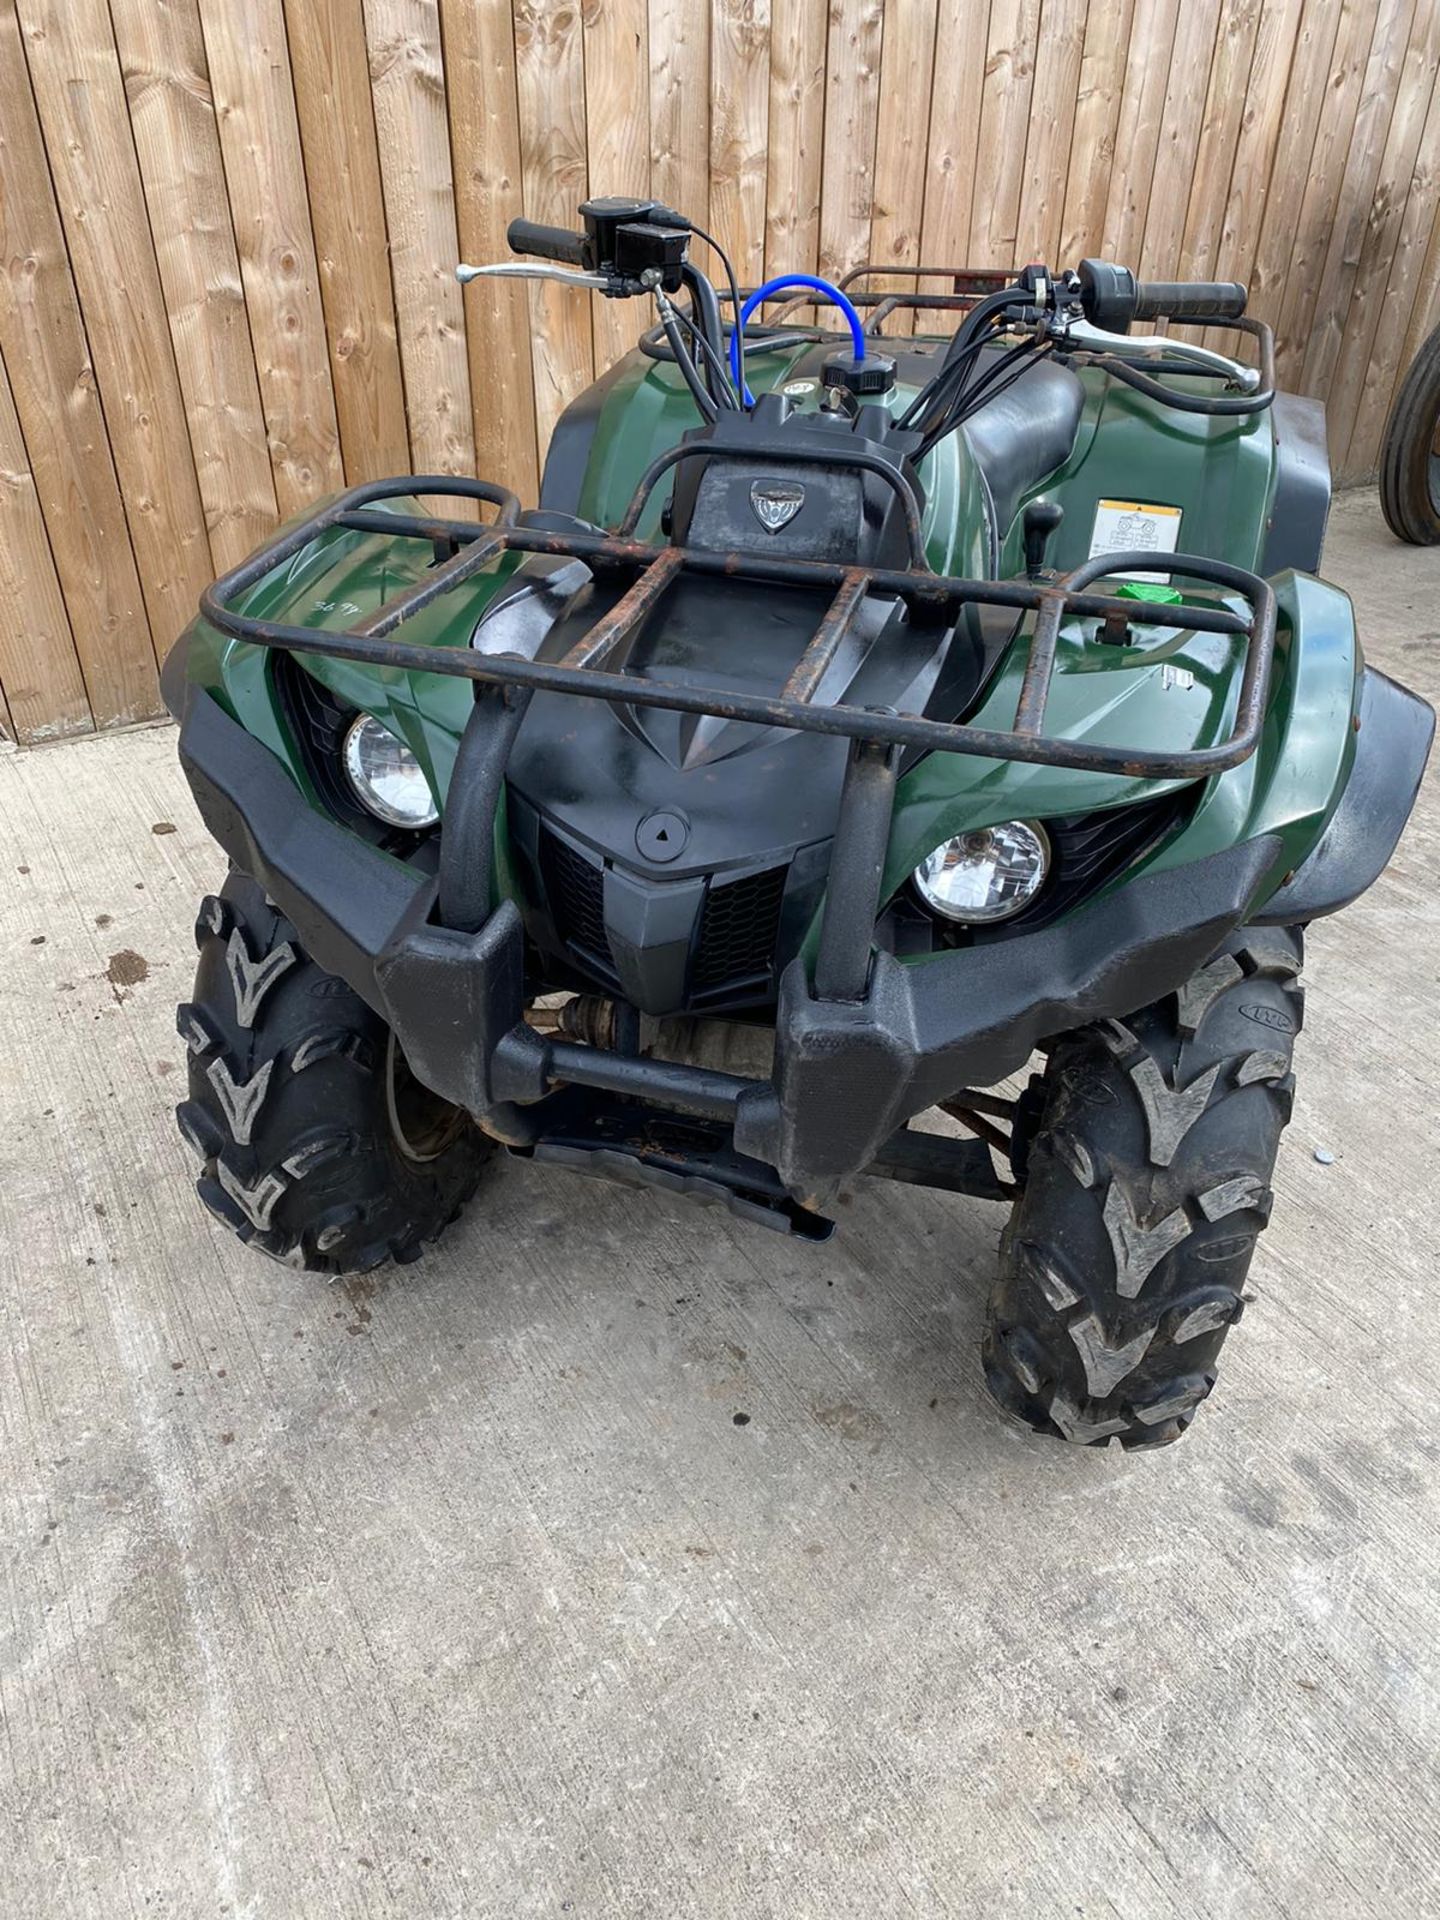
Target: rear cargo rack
[[463, 548]]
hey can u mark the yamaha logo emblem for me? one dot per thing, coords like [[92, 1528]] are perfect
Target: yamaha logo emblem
[[776, 502]]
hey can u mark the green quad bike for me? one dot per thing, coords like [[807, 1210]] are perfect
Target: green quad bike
[[866, 714]]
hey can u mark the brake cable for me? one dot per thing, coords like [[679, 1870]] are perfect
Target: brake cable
[[709, 410], [728, 265]]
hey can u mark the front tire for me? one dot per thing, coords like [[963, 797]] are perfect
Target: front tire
[[1147, 1182], [318, 1146]]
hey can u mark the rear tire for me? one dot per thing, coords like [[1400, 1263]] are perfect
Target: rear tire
[[318, 1146], [1410, 452], [1147, 1182]]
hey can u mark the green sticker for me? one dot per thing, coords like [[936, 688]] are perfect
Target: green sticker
[[1149, 590]]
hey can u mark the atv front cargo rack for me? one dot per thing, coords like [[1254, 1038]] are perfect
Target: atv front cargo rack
[[464, 548]]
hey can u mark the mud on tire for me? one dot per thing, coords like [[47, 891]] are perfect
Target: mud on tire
[[1148, 1180], [317, 1146]]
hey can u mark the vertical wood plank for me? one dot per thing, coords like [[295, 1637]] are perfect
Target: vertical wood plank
[[479, 40], [679, 133], [75, 71], [1388, 254], [1054, 100], [39, 670], [1352, 207], [1138, 128], [1004, 128], [331, 73], [1097, 118], [550, 72], [961, 37], [1181, 116], [1410, 293], [249, 59], [617, 95], [1306, 91], [1216, 157], [902, 136], [797, 116], [1258, 142], [407, 81], [167, 85], [1358, 25], [43, 339], [1425, 311], [852, 111], [739, 130]]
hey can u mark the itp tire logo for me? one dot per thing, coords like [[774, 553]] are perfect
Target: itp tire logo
[[1273, 1017]]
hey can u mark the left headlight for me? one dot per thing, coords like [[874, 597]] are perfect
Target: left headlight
[[988, 874], [387, 778]]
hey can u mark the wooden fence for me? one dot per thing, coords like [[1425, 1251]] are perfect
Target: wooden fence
[[228, 229]]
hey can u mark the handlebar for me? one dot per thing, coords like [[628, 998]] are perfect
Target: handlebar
[[547, 243], [632, 247], [1112, 297], [1189, 299]]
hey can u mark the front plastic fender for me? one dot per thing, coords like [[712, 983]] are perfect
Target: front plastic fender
[[1394, 730]]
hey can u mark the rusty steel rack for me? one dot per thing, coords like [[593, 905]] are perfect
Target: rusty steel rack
[[463, 548], [967, 285]]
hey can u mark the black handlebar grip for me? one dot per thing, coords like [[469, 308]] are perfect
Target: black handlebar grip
[[547, 243], [1189, 299]]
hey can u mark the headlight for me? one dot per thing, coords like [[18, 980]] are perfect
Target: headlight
[[387, 777], [989, 874]]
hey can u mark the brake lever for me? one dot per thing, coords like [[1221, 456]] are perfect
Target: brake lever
[[533, 270], [1083, 333]]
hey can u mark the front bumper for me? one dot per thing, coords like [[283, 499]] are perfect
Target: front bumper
[[849, 1073]]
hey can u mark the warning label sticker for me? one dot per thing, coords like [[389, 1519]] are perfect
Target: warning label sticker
[[1131, 526]]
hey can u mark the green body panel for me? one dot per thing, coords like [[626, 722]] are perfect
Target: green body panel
[[1220, 472], [1167, 689]]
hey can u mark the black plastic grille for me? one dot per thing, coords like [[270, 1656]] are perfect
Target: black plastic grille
[[739, 923], [575, 888], [1090, 849], [318, 721], [738, 930]]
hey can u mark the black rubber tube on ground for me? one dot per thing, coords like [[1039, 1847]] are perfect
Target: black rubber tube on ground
[[1147, 1181], [1410, 452]]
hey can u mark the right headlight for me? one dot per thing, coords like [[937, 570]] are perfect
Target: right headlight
[[987, 874]]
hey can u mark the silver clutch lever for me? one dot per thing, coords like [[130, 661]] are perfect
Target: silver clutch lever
[[530, 270], [1083, 334]]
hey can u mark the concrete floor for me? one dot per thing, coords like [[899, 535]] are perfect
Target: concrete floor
[[462, 1590]]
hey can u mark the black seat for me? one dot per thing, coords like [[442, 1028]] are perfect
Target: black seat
[[1022, 435]]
